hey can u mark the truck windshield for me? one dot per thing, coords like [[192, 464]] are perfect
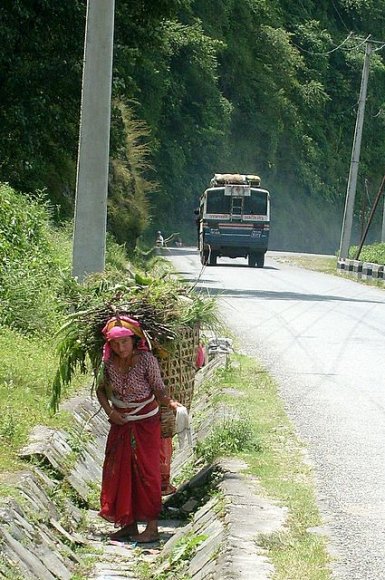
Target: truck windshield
[[217, 202], [255, 204]]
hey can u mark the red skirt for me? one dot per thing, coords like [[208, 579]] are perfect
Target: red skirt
[[165, 461], [131, 481]]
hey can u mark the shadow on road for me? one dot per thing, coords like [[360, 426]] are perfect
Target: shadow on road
[[271, 295], [219, 265], [171, 251], [166, 250], [254, 293]]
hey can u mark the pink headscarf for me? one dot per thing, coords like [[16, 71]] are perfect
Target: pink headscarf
[[118, 332], [120, 327]]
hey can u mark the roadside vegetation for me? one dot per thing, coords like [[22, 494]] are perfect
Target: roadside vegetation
[[250, 423], [36, 255], [327, 264], [34, 279], [373, 253], [277, 458], [37, 292]]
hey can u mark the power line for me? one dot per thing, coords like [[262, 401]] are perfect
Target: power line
[[327, 52], [379, 48], [371, 39], [339, 15], [358, 45], [342, 44]]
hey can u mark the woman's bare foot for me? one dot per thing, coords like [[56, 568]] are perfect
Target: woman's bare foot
[[168, 489], [150, 534], [125, 532], [145, 538]]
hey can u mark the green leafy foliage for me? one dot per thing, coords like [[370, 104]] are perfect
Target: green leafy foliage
[[161, 305], [253, 86], [175, 564], [32, 270], [374, 254], [128, 206], [40, 72]]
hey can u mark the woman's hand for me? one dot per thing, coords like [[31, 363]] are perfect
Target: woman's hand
[[115, 418]]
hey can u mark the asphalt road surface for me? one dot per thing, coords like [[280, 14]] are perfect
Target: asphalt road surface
[[323, 338]]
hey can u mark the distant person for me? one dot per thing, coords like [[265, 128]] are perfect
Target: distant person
[[159, 241]]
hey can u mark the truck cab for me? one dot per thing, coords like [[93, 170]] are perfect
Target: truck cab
[[234, 219]]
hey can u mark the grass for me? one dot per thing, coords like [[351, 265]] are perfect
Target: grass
[[374, 254], [228, 437], [26, 368], [279, 462], [327, 264]]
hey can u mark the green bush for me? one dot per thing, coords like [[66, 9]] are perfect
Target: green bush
[[375, 253], [35, 279], [34, 259]]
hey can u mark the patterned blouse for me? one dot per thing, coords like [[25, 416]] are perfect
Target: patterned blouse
[[139, 382]]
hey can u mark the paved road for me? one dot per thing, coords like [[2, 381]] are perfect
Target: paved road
[[323, 338]]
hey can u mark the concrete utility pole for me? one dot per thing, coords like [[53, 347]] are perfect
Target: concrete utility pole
[[89, 243], [355, 159], [383, 223]]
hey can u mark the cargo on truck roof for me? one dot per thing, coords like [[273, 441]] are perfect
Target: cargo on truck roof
[[221, 179]]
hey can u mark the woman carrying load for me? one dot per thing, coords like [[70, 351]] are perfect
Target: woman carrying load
[[130, 391]]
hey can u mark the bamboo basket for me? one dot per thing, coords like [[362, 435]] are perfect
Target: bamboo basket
[[178, 372]]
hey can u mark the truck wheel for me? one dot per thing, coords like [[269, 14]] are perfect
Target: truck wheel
[[213, 259], [260, 260], [252, 258]]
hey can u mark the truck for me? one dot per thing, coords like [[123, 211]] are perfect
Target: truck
[[233, 219]]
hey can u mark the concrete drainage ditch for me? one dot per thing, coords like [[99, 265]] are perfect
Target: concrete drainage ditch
[[208, 528]]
